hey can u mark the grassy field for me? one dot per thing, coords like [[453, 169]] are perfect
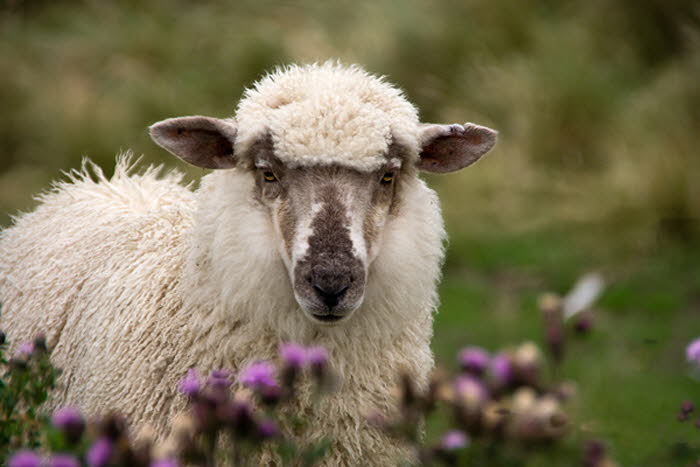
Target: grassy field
[[598, 108]]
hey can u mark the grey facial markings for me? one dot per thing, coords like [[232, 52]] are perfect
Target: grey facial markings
[[329, 219]]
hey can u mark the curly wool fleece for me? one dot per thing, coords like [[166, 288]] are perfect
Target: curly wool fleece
[[137, 278], [324, 114]]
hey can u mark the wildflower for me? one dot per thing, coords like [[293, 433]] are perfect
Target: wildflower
[[189, 385], [317, 356], [687, 407], [501, 370], [99, 453], [293, 355], [24, 459], [268, 429], [238, 414], [219, 378], [113, 426], [453, 440], [259, 376], [692, 352], [474, 360], [70, 422], [63, 460], [318, 359], [40, 343], [584, 323], [593, 454], [470, 390], [526, 362], [25, 349]]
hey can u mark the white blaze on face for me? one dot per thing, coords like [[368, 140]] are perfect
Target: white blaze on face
[[356, 214], [304, 231]]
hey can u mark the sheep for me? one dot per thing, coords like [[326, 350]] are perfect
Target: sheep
[[313, 227]]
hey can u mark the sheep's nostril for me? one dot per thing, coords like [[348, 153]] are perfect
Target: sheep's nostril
[[330, 295]]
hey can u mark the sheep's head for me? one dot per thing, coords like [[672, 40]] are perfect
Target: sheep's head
[[328, 170]]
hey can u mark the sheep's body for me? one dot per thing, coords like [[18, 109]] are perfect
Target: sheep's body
[[130, 295], [136, 279]]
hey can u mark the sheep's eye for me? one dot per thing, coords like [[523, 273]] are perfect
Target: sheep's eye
[[269, 176], [387, 178]]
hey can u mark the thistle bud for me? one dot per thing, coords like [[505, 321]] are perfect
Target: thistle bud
[[100, 453], [584, 322], [40, 343], [24, 459], [268, 429], [453, 440], [190, 385], [473, 360], [70, 422], [63, 460]]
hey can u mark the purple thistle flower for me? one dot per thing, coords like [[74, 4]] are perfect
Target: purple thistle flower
[[220, 378], [473, 359], [25, 349], [317, 356], [189, 385], [471, 390], [501, 370], [687, 407], [453, 440], [293, 355], [164, 463], [692, 352], [70, 421], [99, 453], [259, 375], [268, 429], [24, 459], [63, 460]]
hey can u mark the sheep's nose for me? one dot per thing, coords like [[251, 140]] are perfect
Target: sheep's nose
[[330, 285], [330, 297]]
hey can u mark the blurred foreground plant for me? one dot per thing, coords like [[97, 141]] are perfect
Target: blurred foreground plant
[[27, 378]]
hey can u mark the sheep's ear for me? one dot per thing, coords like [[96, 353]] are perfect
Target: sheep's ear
[[202, 141], [446, 148]]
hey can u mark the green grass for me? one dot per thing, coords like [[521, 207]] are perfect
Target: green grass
[[630, 371]]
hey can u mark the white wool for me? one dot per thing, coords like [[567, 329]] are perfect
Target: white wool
[[138, 278], [328, 113]]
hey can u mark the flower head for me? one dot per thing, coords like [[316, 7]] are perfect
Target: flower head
[[189, 385], [501, 370], [99, 453], [293, 355], [70, 422], [453, 440], [259, 376], [268, 429], [220, 378], [25, 349], [692, 352], [473, 359], [24, 459], [317, 356], [471, 390], [63, 460]]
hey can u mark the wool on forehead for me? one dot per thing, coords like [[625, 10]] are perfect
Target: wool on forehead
[[327, 113]]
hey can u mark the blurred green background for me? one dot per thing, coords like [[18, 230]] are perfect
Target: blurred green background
[[597, 168]]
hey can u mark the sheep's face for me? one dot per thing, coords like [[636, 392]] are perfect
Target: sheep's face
[[329, 217], [329, 220]]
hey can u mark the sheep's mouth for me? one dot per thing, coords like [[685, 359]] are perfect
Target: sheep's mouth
[[328, 318]]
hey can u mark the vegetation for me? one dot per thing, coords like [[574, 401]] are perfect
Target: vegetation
[[598, 108]]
